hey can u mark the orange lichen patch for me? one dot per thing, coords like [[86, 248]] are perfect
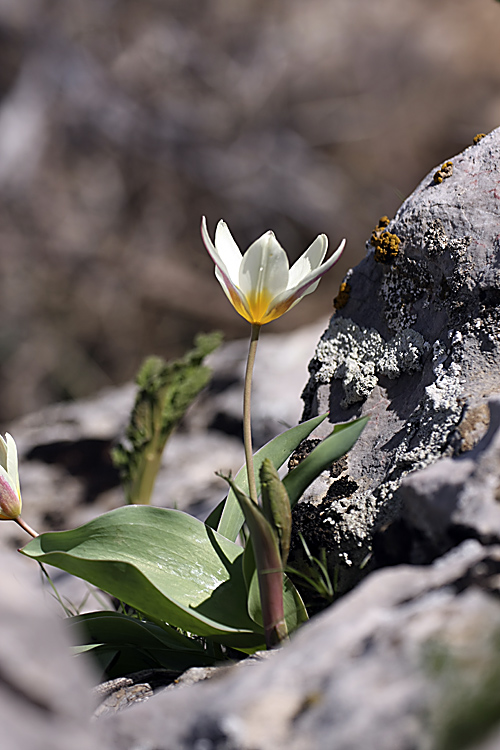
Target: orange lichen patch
[[444, 171], [386, 244], [477, 138], [342, 297], [473, 426]]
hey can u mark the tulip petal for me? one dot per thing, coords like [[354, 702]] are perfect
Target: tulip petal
[[308, 261], [3, 453], [303, 287], [264, 267], [260, 285], [263, 275], [234, 295], [212, 250], [10, 501], [12, 464], [308, 284], [228, 250], [7, 479]]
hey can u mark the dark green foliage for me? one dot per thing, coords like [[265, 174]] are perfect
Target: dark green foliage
[[121, 644], [165, 390]]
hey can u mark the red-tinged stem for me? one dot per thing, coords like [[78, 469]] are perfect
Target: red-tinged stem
[[25, 527], [270, 575]]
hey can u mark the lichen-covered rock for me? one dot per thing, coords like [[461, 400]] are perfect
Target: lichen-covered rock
[[358, 356], [416, 345]]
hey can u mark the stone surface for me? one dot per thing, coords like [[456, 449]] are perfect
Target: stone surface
[[377, 665], [45, 699], [417, 346], [455, 497]]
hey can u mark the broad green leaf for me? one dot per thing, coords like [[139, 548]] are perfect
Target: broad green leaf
[[229, 520], [136, 643], [162, 562], [105, 659], [329, 450]]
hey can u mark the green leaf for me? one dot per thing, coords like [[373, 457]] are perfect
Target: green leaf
[[162, 562], [230, 520], [136, 643], [329, 450], [165, 390]]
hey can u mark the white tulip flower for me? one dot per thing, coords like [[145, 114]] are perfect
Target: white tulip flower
[[260, 284], [10, 491]]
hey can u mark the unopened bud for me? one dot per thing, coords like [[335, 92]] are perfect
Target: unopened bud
[[10, 494], [10, 502]]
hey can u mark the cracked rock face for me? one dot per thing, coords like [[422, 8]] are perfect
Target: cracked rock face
[[417, 347]]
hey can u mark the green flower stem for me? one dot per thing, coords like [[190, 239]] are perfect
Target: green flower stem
[[269, 568], [247, 416], [25, 526]]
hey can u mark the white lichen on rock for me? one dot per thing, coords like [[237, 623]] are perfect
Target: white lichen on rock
[[403, 353], [359, 356], [402, 285], [427, 432]]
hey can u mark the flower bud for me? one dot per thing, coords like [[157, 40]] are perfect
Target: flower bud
[[10, 493], [10, 502]]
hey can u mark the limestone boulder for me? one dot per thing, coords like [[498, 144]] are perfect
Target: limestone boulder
[[414, 343]]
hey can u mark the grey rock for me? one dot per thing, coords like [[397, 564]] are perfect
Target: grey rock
[[45, 699], [359, 356], [369, 667], [417, 347], [121, 692], [456, 497]]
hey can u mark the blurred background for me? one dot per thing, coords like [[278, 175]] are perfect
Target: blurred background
[[123, 121]]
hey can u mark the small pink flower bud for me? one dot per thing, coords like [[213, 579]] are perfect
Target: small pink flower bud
[[10, 502], [10, 492]]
